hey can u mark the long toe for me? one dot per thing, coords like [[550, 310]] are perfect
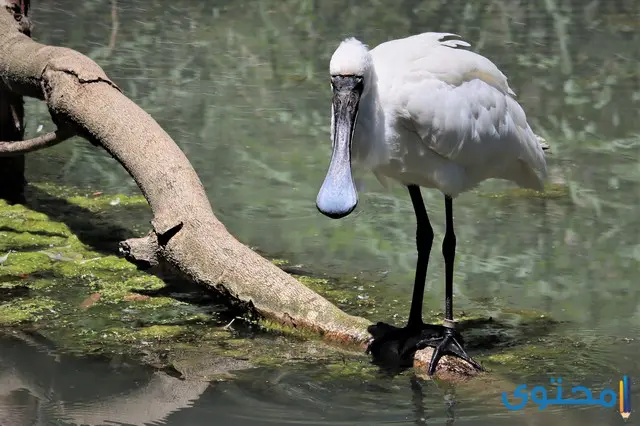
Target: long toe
[[450, 344]]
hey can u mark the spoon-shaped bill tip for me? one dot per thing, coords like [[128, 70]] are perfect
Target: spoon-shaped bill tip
[[338, 195], [336, 208]]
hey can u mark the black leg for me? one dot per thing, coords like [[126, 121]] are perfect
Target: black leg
[[424, 241], [449, 253], [451, 342], [394, 347]]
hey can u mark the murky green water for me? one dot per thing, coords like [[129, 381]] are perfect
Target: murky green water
[[241, 87], [40, 386]]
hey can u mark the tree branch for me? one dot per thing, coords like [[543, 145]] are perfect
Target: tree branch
[[9, 149]]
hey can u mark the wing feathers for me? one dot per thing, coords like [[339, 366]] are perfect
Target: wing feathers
[[460, 105]]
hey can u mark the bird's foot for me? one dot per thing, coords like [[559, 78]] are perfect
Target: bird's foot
[[449, 343], [394, 347]]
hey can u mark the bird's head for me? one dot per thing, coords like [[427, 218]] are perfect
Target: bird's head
[[351, 58], [350, 68]]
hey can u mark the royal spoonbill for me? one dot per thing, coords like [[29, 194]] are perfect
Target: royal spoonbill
[[427, 112]]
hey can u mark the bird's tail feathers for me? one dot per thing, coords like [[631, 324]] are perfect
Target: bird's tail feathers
[[543, 143], [526, 177], [531, 169]]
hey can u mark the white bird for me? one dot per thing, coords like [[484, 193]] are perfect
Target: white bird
[[426, 112]]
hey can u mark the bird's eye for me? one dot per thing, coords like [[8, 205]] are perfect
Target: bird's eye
[[341, 78]]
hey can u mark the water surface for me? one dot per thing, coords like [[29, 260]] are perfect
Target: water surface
[[38, 385], [242, 88]]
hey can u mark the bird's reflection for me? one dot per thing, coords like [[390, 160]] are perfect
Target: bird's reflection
[[419, 406], [418, 401]]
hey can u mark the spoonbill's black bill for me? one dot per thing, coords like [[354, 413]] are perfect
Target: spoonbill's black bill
[[338, 196]]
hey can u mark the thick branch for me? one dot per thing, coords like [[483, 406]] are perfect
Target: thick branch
[[186, 235], [8, 149]]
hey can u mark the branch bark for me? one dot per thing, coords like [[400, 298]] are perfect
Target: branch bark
[[185, 235], [8, 149]]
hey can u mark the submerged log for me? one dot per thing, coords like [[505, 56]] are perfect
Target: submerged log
[[186, 237]]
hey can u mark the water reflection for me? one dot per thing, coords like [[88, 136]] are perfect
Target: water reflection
[[39, 385]]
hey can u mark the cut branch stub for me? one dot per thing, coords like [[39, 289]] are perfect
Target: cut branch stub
[[142, 252]]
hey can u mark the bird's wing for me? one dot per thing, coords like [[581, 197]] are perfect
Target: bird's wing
[[458, 102]]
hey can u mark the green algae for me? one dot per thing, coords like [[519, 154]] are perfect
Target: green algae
[[62, 285], [359, 298], [10, 239], [279, 262], [81, 298], [95, 220], [537, 357], [25, 263], [95, 201], [278, 328], [153, 332], [508, 340], [335, 291], [552, 191], [72, 292], [350, 368], [89, 302], [27, 310]]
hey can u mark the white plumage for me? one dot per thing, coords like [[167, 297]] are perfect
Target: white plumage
[[426, 112], [438, 116]]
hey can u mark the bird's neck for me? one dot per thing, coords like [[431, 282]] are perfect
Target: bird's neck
[[368, 147]]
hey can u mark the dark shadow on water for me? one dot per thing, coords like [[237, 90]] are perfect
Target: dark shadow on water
[[7, 294], [193, 294], [98, 231], [9, 278]]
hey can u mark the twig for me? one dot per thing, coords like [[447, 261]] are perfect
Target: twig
[[228, 326], [9, 149]]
